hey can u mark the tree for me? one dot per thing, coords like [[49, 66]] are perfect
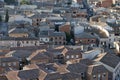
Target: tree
[[0, 18], [7, 16], [24, 2], [68, 37]]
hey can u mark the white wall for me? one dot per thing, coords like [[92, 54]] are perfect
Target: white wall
[[10, 43], [117, 47], [19, 18], [78, 29], [111, 37], [91, 54], [13, 43], [104, 40]]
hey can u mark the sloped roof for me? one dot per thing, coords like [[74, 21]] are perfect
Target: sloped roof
[[22, 53], [69, 76], [84, 35], [95, 69], [86, 61], [77, 68], [8, 59], [28, 74], [110, 60]]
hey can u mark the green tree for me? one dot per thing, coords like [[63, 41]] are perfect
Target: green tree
[[7, 16], [68, 37], [24, 2], [0, 18]]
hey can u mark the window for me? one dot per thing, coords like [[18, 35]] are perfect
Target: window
[[98, 76], [37, 23], [9, 64], [109, 39], [67, 57], [55, 37], [41, 39], [3, 64], [59, 42], [88, 40], [72, 56], [27, 42], [37, 19], [77, 56], [55, 43], [104, 74], [92, 40], [82, 74], [80, 41], [51, 39], [114, 40], [46, 39], [94, 76], [59, 37]]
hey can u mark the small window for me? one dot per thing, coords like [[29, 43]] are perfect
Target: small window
[[55, 37], [104, 74], [41, 39], [60, 42], [92, 40], [77, 56], [46, 39], [9, 64], [59, 37], [37, 23], [37, 19], [114, 39], [51, 39], [80, 41], [55, 43], [3, 64], [72, 56], [26, 41], [82, 74], [67, 57], [109, 39]]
